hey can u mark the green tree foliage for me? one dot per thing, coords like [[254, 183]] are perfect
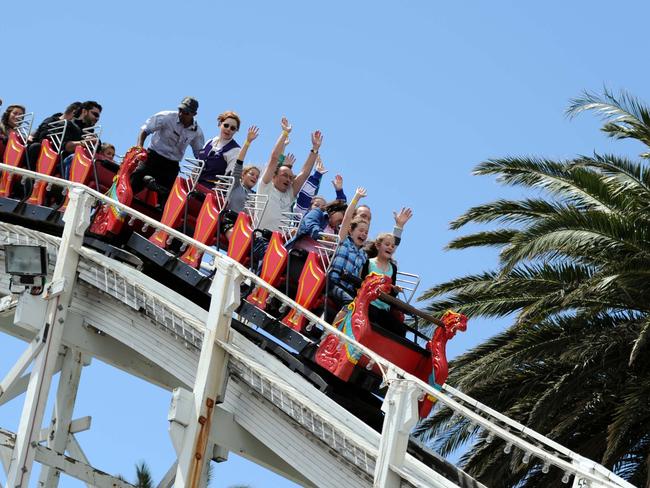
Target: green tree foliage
[[574, 275], [143, 477]]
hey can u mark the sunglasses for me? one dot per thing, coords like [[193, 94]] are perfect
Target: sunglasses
[[95, 113], [230, 126]]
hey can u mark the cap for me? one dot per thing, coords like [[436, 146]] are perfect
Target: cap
[[189, 104]]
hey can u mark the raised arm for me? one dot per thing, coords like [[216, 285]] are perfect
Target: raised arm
[[338, 188], [347, 217], [401, 219], [277, 150], [309, 189], [316, 141], [252, 134]]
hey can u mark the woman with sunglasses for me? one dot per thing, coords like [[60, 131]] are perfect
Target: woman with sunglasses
[[220, 153]]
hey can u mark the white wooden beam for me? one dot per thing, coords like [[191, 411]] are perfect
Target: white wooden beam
[[77, 425], [401, 414], [76, 219], [20, 385], [210, 380], [77, 469], [228, 435], [168, 479], [59, 429], [74, 449], [20, 365]]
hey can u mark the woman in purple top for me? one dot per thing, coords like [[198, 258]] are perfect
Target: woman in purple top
[[220, 153]]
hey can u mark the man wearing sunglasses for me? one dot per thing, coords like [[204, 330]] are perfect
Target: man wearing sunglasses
[[79, 116], [171, 133], [88, 116]]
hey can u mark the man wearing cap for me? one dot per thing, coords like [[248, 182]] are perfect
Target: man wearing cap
[[172, 133]]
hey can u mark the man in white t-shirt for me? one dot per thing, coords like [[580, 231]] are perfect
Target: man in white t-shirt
[[280, 184]]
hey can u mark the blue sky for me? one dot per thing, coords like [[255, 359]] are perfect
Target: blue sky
[[410, 97]]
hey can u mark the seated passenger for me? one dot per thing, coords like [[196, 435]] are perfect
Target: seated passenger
[[106, 152], [305, 200], [281, 186], [382, 263], [220, 153], [172, 131], [315, 222], [87, 116], [72, 111], [9, 122], [349, 258], [244, 179], [317, 202]]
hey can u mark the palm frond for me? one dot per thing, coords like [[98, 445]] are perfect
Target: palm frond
[[559, 179], [507, 211], [625, 115]]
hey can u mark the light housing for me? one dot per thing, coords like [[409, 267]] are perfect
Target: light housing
[[21, 260], [27, 265]]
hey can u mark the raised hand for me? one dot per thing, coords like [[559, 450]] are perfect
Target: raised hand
[[402, 217], [360, 193], [253, 132], [289, 160], [286, 126], [320, 167], [338, 182], [316, 140]]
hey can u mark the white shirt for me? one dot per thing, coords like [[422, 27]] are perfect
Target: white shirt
[[170, 138], [277, 204]]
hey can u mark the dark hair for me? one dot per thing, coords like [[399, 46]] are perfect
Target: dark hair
[[74, 108], [335, 206], [229, 115], [105, 146], [5, 117], [91, 104]]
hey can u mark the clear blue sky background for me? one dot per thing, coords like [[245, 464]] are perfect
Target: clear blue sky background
[[410, 97]]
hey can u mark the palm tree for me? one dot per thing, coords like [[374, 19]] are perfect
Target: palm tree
[[143, 475], [574, 275]]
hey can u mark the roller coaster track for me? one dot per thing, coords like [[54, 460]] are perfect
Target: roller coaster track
[[227, 393]]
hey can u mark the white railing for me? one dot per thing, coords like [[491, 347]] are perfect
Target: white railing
[[548, 451]]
